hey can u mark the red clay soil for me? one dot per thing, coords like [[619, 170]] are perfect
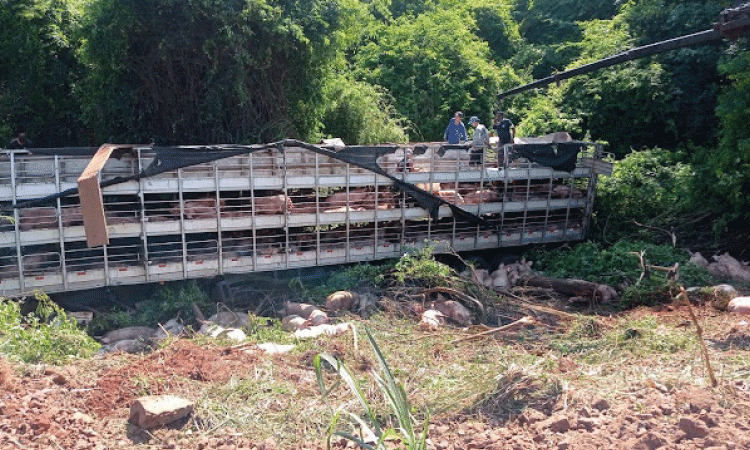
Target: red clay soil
[[58, 409], [166, 370]]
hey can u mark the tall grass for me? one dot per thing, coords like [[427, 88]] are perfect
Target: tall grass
[[372, 435]]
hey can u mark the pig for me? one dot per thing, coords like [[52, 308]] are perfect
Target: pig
[[481, 196], [451, 196], [563, 191], [72, 216], [35, 218], [203, 208], [273, 204]]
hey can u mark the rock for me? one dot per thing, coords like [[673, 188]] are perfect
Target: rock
[[587, 423], [128, 333], [692, 428], [600, 404], [650, 441], [556, 424], [342, 301], [158, 410], [739, 305]]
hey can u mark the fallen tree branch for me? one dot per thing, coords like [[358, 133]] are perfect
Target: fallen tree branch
[[526, 320], [574, 288], [699, 332]]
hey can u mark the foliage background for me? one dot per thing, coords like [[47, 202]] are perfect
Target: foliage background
[[75, 72]]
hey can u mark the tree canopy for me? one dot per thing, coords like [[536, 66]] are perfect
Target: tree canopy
[[80, 72]]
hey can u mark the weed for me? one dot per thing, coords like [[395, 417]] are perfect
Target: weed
[[168, 302], [349, 278], [371, 435], [420, 267], [47, 335]]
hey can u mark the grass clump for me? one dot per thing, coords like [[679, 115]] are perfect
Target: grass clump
[[46, 335], [634, 338], [420, 267], [370, 433]]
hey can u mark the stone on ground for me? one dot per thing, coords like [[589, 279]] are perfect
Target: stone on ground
[[158, 410]]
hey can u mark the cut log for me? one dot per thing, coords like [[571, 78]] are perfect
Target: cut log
[[574, 288]]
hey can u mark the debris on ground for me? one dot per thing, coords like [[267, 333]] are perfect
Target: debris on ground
[[158, 410]]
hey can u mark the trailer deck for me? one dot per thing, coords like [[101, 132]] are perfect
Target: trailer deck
[[274, 209]]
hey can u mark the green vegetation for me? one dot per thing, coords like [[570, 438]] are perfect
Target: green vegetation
[[619, 266], [246, 71], [46, 335], [168, 302], [420, 267], [371, 435]]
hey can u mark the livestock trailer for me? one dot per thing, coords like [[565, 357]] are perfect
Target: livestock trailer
[[194, 212]]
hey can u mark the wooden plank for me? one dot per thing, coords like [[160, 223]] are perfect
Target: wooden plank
[[92, 204]]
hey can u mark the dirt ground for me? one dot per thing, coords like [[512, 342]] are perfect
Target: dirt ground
[[85, 405]]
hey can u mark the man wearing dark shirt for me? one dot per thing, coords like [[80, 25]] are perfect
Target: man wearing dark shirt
[[506, 133], [20, 142]]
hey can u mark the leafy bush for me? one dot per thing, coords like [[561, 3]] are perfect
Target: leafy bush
[[651, 187], [47, 335], [618, 266], [420, 267], [360, 113], [168, 302]]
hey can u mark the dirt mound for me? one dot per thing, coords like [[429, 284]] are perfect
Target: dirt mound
[[168, 370]]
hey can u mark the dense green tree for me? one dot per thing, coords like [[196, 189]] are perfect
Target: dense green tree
[[360, 113], [691, 72], [725, 171], [495, 25], [433, 65], [201, 71], [38, 72], [628, 106]]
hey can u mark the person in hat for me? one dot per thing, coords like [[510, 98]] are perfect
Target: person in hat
[[506, 133], [480, 142], [455, 132]]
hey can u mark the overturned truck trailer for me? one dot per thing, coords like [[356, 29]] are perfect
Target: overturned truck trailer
[[192, 212]]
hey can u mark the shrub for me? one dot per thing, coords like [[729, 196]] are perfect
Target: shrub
[[420, 267], [46, 335], [650, 187], [618, 266], [168, 302]]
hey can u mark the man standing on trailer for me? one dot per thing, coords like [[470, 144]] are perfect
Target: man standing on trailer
[[506, 133], [20, 142], [479, 143], [455, 132]]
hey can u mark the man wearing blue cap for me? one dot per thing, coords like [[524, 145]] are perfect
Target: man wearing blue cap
[[455, 132], [480, 142]]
